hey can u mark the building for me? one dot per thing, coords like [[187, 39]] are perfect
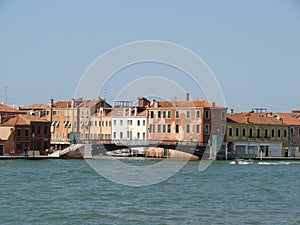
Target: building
[[62, 116], [187, 122], [256, 133], [92, 122], [292, 120], [23, 130]]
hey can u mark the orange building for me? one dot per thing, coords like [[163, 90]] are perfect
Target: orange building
[[22, 130]]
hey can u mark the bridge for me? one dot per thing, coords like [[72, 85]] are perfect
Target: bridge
[[194, 148], [90, 148]]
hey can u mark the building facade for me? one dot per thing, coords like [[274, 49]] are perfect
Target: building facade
[[255, 134], [22, 131]]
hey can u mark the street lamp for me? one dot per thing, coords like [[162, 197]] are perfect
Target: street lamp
[[33, 145]]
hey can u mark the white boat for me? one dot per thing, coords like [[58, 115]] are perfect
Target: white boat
[[244, 161], [122, 154]]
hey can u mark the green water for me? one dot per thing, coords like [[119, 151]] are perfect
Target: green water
[[71, 192]]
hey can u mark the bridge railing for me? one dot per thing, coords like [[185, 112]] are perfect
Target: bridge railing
[[122, 142]]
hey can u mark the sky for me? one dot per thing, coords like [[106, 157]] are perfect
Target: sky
[[252, 48]]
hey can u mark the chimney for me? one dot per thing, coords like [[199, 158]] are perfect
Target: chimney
[[73, 103], [135, 111], [51, 102], [231, 111], [213, 105], [247, 119], [186, 96]]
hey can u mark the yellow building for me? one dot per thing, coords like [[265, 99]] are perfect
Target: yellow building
[[254, 134]]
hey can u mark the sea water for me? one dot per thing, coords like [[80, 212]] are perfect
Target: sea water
[[71, 192]]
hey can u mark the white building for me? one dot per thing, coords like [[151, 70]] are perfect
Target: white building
[[129, 125]]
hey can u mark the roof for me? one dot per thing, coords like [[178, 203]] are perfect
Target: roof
[[116, 112], [6, 109], [5, 132], [290, 118], [183, 103], [88, 103], [34, 106], [268, 118], [62, 104], [22, 119]]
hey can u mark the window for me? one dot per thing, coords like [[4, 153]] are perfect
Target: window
[[138, 122], [223, 115], [32, 130], [109, 123], [121, 122], [244, 132], [19, 132], [169, 114], [53, 113], [164, 128], [27, 132], [87, 112], [115, 135], [285, 133], [38, 129], [223, 129], [188, 114], [151, 128], [237, 132], [115, 122], [121, 135], [159, 114], [177, 114], [63, 135], [169, 128], [250, 133], [273, 133], [164, 114], [151, 114], [292, 130], [279, 133], [197, 128], [144, 122], [159, 128], [206, 129], [266, 133], [138, 135], [128, 134], [258, 132], [45, 131], [58, 112], [197, 114], [206, 114], [144, 135], [177, 128], [230, 132], [188, 129]]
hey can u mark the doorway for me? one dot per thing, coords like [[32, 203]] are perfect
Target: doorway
[[1, 149]]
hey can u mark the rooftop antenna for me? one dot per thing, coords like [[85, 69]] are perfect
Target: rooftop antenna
[[6, 90], [105, 91]]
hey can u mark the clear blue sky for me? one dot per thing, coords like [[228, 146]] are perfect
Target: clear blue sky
[[253, 47]]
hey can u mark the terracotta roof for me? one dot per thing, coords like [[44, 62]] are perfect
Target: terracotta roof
[[89, 103], [34, 106], [183, 103], [7, 109], [255, 118], [22, 119], [290, 119], [62, 104]]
